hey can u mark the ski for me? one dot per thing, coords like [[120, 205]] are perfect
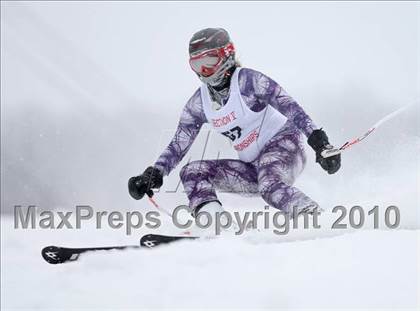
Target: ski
[[153, 240], [57, 254]]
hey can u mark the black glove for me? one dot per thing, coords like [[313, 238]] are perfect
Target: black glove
[[318, 140], [138, 186]]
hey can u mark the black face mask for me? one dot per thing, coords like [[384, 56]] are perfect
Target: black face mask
[[220, 92]]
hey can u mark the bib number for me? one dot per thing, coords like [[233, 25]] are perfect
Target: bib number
[[233, 133]]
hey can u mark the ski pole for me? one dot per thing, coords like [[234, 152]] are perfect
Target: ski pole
[[157, 206], [331, 152]]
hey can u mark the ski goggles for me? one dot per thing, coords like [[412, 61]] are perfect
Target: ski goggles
[[207, 63]]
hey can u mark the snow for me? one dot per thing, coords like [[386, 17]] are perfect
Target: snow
[[361, 269]]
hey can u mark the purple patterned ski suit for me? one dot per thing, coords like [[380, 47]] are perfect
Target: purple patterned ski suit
[[271, 174]]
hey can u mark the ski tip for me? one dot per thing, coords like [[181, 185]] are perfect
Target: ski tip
[[153, 240], [55, 255], [148, 240], [51, 254]]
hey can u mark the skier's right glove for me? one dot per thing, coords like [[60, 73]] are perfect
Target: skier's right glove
[[140, 185], [318, 140]]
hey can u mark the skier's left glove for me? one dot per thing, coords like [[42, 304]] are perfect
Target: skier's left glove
[[318, 140], [140, 185]]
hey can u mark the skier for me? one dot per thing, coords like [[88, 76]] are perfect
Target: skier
[[261, 120]]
